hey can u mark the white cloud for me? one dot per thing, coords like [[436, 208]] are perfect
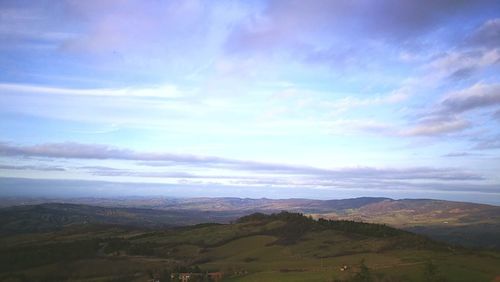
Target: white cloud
[[163, 91], [487, 35], [477, 96], [344, 104], [436, 127], [183, 166], [343, 126]]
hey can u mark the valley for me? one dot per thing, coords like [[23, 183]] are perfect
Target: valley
[[465, 224], [75, 242]]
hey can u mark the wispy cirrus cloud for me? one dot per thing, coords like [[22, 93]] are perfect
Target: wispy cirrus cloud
[[32, 167], [477, 96], [436, 126], [462, 63], [346, 36], [457, 155], [371, 94], [350, 102], [448, 115], [496, 115], [285, 22], [73, 150], [165, 91], [114, 172], [154, 159], [487, 143], [487, 35]]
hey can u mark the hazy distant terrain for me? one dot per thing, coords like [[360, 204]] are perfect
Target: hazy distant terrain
[[56, 216], [468, 224]]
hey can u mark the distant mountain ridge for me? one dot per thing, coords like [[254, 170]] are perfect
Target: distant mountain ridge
[[264, 204]]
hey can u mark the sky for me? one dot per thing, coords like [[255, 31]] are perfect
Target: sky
[[311, 99]]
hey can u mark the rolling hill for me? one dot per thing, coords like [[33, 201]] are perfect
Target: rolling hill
[[259, 247], [467, 224]]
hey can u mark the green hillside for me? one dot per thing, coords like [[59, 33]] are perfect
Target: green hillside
[[466, 224], [278, 247]]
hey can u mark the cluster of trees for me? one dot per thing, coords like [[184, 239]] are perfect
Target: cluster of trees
[[296, 224], [284, 216], [254, 217], [368, 229]]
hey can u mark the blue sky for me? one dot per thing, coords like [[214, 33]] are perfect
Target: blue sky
[[322, 99]]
